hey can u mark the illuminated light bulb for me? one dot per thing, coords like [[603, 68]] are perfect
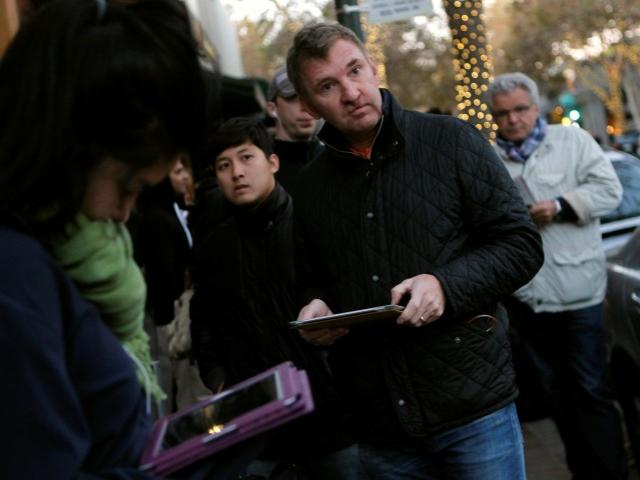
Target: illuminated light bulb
[[480, 115]]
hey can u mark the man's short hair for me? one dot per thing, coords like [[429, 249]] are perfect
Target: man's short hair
[[235, 132], [508, 82], [312, 42]]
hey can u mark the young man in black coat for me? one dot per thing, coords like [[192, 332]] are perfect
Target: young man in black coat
[[416, 208], [244, 298]]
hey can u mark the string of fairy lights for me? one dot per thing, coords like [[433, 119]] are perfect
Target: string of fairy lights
[[472, 63]]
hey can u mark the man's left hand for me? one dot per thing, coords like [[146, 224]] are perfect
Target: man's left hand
[[426, 303], [542, 213]]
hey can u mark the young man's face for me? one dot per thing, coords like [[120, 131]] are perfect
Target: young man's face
[[292, 122], [343, 89], [515, 114], [245, 174]]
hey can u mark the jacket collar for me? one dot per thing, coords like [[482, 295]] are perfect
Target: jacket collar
[[264, 215], [387, 134]]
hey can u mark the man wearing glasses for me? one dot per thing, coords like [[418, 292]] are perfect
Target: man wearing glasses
[[568, 184]]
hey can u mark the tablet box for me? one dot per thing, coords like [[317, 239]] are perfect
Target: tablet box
[[263, 402]]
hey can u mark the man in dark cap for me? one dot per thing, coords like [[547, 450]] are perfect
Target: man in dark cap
[[294, 141]]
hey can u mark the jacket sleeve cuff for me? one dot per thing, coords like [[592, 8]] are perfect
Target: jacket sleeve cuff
[[567, 212]]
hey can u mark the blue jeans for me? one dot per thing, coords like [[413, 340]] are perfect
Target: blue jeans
[[489, 448]]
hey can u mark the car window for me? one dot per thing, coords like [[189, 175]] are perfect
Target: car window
[[628, 171]]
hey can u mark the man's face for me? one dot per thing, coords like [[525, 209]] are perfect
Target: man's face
[[245, 174], [343, 89], [180, 178], [515, 114], [292, 122]]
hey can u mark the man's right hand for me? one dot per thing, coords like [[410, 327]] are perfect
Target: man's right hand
[[323, 337], [543, 213]]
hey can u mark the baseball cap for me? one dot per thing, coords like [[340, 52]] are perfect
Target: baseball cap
[[280, 85]]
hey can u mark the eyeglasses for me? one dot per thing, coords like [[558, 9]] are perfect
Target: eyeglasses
[[518, 111]]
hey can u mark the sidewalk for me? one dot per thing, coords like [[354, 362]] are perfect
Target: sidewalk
[[544, 453]]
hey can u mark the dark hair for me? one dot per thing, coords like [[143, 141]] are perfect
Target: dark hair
[[236, 131], [82, 82], [314, 41]]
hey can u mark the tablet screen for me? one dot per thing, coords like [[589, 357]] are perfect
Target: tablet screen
[[212, 417]]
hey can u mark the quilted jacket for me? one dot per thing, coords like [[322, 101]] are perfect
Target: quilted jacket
[[434, 198]]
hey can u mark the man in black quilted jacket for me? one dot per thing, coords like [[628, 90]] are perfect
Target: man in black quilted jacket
[[412, 208]]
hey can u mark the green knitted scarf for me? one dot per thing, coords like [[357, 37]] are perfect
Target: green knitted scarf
[[98, 256]]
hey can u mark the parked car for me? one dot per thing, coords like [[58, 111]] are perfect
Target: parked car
[[622, 324], [622, 304], [628, 141], [618, 225]]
